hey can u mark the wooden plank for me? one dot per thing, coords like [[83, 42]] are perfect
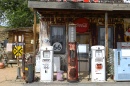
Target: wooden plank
[[28, 37], [121, 6], [77, 6]]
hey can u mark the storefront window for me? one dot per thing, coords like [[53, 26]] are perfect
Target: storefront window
[[58, 38]]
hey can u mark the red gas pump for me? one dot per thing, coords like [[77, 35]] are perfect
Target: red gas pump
[[72, 73]]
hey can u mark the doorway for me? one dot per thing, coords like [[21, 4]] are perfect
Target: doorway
[[101, 36]]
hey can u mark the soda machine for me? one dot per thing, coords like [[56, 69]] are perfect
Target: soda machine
[[72, 73], [126, 1], [98, 73], [122, 64], [46, 64]]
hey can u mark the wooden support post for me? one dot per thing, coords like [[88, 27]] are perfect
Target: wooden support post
[[106, 40], [34, 36], [106, 34]]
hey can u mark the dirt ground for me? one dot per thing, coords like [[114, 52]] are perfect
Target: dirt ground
[[8, 77], [8, 73]]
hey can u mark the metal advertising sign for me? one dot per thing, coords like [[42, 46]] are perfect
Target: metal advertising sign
[[18, 50]]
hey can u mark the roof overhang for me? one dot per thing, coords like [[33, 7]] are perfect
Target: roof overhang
[[79, 6], [78, 9]]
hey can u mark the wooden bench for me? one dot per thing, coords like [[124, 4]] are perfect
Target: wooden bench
[[13, 62]]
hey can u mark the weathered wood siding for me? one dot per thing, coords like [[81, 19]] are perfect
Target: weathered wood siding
[[28, 36], [43, 36], [28, 46]]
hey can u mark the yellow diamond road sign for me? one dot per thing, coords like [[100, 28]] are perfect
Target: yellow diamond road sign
[[18, 50]]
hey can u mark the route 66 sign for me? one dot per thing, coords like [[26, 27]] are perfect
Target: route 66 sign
[[57, 46]]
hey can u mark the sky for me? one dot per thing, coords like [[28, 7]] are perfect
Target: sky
[[3, 23]]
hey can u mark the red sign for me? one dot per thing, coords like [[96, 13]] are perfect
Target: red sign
[[96, 1], [86, 0], [81, 25]]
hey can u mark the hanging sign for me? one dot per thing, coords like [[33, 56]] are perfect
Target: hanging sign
[[81, 25]]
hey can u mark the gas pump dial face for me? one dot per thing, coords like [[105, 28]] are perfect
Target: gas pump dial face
[[46, 54], [98, 53]]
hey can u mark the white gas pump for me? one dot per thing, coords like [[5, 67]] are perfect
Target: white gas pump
[[46, 64], [98, 73]]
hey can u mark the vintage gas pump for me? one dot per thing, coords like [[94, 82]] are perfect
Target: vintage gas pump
[[46, 64], [98, 64], [72, 73]]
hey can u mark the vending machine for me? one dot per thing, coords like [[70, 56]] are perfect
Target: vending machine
[[122, 64], [46, 64], [126, 1], [123, 45], [98, 73], [72, 73], [83, 57]]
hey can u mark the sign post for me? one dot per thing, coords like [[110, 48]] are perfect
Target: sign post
[[18, 51]]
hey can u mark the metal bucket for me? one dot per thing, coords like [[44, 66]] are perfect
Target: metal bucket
[[60, 76]]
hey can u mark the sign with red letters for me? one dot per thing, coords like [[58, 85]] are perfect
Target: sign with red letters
[[82, 25]]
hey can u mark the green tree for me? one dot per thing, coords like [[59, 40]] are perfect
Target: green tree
[[17, 13]]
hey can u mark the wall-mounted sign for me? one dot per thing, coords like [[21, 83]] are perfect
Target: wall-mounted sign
[[18, 51], [57, 46], [82, 25], [9, 47]]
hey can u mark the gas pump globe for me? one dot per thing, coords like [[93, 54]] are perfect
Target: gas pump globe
[[72, 73]]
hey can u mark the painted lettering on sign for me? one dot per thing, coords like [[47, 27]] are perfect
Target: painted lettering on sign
[[82, 25], [57, 46]]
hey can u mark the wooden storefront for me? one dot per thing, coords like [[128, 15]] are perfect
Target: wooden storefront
[[108, 23], [24, 35], [98, 15]]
